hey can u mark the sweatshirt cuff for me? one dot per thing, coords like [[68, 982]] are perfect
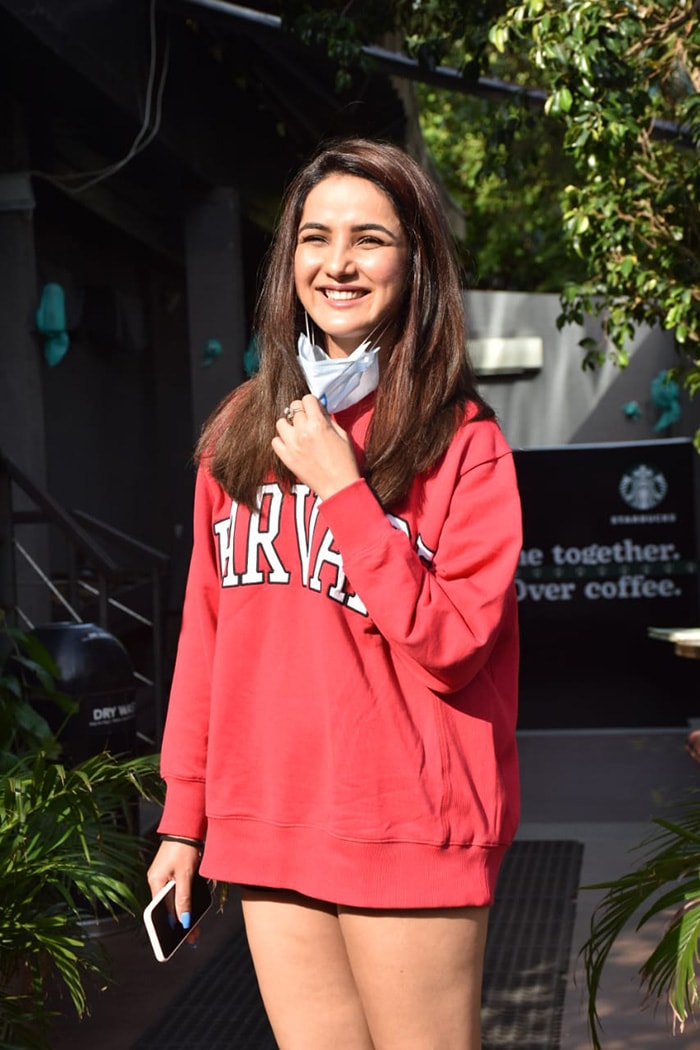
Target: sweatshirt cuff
[[353, 515], [183, 812]]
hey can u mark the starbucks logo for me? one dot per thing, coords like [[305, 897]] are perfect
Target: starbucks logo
[[643, 487]]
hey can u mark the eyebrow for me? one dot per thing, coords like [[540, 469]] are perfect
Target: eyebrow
[[360, 228]]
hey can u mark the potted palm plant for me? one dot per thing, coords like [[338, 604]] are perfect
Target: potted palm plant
[[67, 848], [666, 883]]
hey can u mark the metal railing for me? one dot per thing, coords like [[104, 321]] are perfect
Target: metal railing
[[94, 575]]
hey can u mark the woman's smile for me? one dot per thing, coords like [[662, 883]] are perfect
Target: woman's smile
[[342, 294]]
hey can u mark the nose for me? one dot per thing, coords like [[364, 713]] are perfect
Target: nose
[[339, 260]]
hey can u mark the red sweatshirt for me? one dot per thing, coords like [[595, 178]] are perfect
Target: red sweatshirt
[[343, 708]]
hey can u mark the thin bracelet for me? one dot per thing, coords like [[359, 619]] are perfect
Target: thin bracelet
[[197, 843]]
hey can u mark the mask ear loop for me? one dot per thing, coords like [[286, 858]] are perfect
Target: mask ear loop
[[308, 333], [367, 340], [381, 333]]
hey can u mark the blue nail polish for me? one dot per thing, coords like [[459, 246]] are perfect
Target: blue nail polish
[[324, 400], [186, 920]]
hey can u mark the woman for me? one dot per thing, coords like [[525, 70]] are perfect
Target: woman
[[341, 729]]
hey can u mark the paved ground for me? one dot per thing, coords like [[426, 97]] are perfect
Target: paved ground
[[599, 787], [602, 788]]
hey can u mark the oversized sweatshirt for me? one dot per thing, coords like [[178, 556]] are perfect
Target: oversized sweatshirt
[[343, 707]]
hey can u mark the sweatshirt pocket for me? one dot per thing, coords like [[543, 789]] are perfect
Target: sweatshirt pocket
[[388, 779]]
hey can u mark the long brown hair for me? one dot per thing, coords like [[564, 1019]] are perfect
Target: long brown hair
[[427, 382]]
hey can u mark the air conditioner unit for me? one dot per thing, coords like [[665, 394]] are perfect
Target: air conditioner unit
[[503, 355]]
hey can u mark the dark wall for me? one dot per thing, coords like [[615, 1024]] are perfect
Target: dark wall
[[117, 407]]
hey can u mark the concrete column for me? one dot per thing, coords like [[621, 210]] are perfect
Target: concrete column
[[216, 308], [21, 401]]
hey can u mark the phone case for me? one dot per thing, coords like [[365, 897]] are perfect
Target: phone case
[[165, 932]]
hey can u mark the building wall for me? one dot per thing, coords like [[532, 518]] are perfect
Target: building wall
[[561, 403]]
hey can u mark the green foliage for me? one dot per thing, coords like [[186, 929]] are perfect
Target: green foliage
[[503, 165], [667, 881], [623, 81], [67, 848], [428, 30], [27, 671], [431, 31], [331, 28]]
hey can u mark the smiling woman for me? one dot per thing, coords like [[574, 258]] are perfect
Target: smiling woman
[[341, 726], [351, 261]]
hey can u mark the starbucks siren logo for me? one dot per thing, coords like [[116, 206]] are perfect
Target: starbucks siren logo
[[643, 488]]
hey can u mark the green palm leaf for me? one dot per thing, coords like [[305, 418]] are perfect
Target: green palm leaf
[[67, 850], [666, 881]]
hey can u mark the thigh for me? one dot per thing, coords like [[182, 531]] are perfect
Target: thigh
[[419, 975], [303, 972]]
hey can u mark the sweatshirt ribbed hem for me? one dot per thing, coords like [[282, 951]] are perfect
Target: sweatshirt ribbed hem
[[353, 873]]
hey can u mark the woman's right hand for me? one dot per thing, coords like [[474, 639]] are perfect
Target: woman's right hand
[[178, 861]]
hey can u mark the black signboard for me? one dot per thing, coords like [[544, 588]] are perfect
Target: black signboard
[[610, 549]]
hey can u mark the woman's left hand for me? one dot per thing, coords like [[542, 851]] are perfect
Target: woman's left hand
[[315, 448]]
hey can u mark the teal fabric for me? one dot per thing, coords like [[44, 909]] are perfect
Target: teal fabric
[[664, 394], [212, 351], [51, 323]]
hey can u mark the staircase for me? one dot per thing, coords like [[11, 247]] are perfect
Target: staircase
[[109, 578]]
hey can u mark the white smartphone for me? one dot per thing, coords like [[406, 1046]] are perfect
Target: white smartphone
[[165, 932]]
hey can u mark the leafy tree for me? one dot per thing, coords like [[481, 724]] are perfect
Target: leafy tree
[[430, 30], [621, 82], [504, 166]]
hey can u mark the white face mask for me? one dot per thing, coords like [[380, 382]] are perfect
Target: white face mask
[[343, 381]]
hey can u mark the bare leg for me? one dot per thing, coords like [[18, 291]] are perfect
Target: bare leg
[[303, 972], [419, 975]]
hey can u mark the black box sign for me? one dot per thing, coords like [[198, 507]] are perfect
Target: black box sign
[[609, 549], [609, 532]]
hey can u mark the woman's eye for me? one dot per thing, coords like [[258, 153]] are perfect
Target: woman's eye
[[367, 240]]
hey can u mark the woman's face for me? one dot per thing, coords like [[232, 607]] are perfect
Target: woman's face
[[351, 261]]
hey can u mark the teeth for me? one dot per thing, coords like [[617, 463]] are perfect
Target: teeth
[[332, 294]]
